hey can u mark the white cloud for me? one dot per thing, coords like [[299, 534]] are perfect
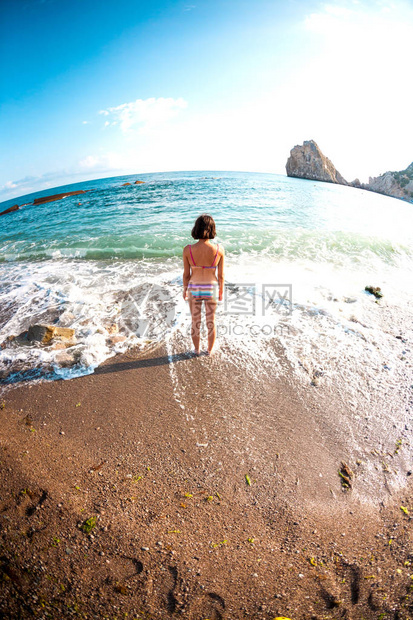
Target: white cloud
[[144, 114], [28, 184], [8, 185], [151, 118], [85, 122], [89, 162], [105, 162], [54, 178]]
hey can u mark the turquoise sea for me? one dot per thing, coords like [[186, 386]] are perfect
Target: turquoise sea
[[108, 264]]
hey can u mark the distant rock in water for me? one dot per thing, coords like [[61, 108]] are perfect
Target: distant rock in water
[[125, 184], [138, 182], [395, 184], [308, 162], [10, 209], [40, 201]]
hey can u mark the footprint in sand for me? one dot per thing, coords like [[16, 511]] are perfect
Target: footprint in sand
[[211, 606], [350, 593]]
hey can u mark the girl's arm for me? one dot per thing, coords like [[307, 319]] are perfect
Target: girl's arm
[[221, 278], [187, 271]]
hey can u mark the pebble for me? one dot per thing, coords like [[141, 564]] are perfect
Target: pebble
[[62, 432], [301, 575], [145, 548]]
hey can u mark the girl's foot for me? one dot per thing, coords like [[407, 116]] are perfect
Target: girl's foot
[[209, 352], [197, 352]]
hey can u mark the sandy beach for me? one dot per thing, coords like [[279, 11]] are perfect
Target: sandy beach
[[164, 487]]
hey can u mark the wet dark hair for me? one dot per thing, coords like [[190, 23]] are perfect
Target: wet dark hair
[[204, 227]]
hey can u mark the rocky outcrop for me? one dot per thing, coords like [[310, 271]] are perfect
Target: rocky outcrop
[[40, 201], [125, 184], [44, 334], [138, 182], [65, 359], [395, 184], [308, 162], [10, 209], [374, 290]]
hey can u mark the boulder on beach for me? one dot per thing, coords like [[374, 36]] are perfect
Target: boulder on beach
[[40, 201], [115, 339], [65, 359], [10, 209], [138, 182], [44, 334], [306, 161], [374, 290]]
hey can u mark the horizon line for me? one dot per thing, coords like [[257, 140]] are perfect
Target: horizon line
[[21, 196]]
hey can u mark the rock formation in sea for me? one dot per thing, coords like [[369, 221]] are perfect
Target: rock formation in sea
[[44, 199], [308, 162], [396, 184], [10, 209]]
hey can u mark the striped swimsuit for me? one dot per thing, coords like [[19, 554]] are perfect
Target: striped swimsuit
[[204, 289]]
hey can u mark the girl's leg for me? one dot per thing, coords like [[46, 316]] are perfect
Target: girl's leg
[[195, 307], [210, 307]]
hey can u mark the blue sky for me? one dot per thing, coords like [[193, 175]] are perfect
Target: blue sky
[[99, 88]]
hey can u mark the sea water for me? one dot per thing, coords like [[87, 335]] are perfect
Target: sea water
[[108, 263]]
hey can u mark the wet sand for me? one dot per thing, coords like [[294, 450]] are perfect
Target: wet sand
[[170, 486]]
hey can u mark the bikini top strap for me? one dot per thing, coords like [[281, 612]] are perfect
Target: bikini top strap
[[190, 250], [213, 262]]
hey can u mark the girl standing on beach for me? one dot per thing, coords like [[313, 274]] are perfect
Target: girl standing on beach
[[200, 281]]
